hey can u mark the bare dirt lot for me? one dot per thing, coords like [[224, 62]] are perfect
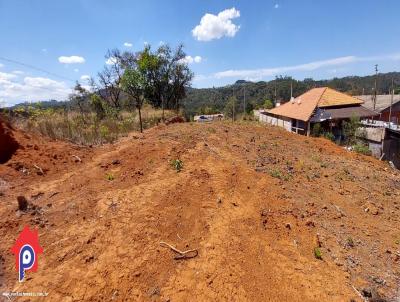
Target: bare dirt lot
[[256, 202]]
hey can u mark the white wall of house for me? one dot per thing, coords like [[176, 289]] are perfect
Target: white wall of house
[[257, 112], [283, 122]]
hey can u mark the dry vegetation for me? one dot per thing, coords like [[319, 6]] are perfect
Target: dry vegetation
[[85, 129]]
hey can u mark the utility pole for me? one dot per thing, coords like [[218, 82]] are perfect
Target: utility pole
[[244, 99], [233, 105], [375, 85], [391, 103], [291, 89]]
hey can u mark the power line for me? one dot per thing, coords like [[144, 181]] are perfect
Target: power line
[[36, 68]]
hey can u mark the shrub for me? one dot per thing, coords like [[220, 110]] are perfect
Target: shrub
[[88, 128], [316, 130], [330, 136], [362, 149], [268, 104], [350, 129]]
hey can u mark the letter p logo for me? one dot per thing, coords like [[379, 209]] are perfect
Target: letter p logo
[[26, 260], [26, 250]]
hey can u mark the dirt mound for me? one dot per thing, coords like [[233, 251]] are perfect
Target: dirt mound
[[8, 145], [175, 119], [273, 216], [27, 155]]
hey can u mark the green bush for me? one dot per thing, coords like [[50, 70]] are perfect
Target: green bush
[[316, 130], [268, 104], [330, 136], [362, 149], [350, 129]]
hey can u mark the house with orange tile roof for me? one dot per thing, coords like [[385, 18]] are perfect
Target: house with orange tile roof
[[323, 105]]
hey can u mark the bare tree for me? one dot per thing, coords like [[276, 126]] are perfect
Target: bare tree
[[110, 79]]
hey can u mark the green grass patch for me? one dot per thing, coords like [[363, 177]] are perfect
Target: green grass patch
[[110, 177], [317, 253], [177, 164]]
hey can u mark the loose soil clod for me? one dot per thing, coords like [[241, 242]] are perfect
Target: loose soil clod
[[22, 203]]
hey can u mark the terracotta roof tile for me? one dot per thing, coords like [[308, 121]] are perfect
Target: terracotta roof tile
[[304, 105], [332, 97]]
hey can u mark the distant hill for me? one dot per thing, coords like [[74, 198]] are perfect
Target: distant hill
[[43, 104], [208, 100], [211, 100]]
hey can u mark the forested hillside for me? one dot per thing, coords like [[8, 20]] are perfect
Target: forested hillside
[[209, 100], [254, 94]]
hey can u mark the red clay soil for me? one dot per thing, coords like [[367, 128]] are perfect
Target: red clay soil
[[255, 201], [8, 145]]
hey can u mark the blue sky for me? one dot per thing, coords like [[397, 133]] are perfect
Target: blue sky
[[254, 40]]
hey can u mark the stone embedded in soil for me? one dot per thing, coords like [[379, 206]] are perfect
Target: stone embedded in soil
[[116, 162]]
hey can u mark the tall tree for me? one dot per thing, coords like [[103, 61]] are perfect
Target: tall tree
[[79, 98], [133, 84], [180, 78], [168, 74]]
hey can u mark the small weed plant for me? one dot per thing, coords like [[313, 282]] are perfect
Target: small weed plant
[[177, 164]]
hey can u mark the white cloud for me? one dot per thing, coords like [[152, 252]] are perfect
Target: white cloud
[[127, 44], [111, 61], [4, 76], [31, 89], [87, 87], [71, 60], [265, 72], [258, 74], [85, 77], [217, 26], [200, 77], [190, 59], [1, 65], [276, 5], [76, 70], [18, 72]]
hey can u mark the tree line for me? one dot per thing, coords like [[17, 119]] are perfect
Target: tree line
[[245, 96], [166, 83], [159, 77]]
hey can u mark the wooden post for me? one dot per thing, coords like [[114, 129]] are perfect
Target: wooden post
[[308, 128], [391, 104]]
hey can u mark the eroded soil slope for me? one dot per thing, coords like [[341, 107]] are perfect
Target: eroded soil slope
[[254, 201]]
